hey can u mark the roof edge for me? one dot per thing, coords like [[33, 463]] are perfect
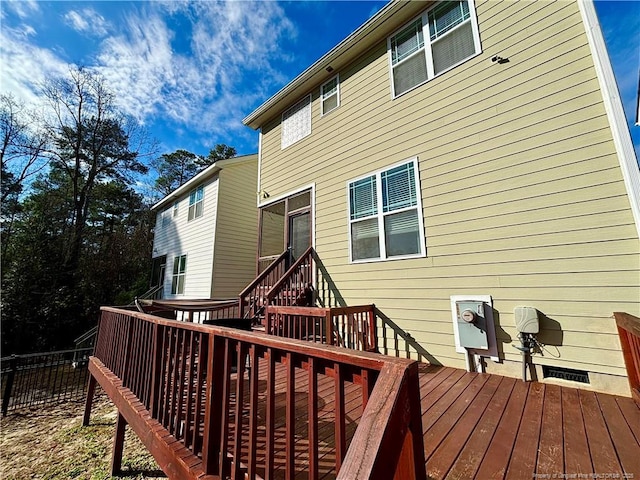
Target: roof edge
[[203, 175], [362, 31]]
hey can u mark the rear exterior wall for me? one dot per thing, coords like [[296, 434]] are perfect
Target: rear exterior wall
[[522, 193], [234, 265]]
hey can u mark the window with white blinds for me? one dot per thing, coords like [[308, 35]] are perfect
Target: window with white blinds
[[296, 122], [330, 95], [441, 38], [385, 220]]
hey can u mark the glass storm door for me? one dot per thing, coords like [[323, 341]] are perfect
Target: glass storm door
[[299, 234], [285, 224]]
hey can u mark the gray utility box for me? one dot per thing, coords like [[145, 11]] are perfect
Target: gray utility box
[[472, 324]]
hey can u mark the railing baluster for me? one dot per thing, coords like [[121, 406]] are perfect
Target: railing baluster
[[225, 386], [340, 439], [290, 420], [179, 424], [313, 419], [188, 437], [205, 353], [237, 444], [270, 414], [213, 405], [253, 411]]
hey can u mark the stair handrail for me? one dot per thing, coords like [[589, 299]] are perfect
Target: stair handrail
[[260, 278], [147, 295], [288, 274]]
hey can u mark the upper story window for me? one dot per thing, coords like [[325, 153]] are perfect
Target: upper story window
[[330, 95], [439, 39], [175, 208], [385, 215], [196, 203], [296, 122], [165, 217]]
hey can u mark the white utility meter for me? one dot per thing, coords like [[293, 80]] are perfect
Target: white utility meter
[[472, 324]]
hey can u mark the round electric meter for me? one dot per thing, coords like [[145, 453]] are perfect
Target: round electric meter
[[468, 316]]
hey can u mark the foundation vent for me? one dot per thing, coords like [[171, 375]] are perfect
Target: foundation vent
[[579, 376]]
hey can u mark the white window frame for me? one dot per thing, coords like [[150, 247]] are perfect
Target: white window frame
[[176, 205], [323, 98], [165, 218], [286, 142], [427, 46], [193, 207], [380, 215], [175, 276]]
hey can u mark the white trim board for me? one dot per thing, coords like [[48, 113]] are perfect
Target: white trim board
[[613, 107]]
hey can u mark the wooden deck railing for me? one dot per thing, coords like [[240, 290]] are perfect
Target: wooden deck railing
[[629, 332], [195, 311], [295, 286], [176, 384], [252, 298], [349, 327]]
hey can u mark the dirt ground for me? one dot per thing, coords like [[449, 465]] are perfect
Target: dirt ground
[[50, 443]]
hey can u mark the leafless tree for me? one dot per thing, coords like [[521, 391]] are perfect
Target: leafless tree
[[24, 145]]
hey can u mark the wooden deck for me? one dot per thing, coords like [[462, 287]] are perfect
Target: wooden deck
[[475, 426], [486, 426], [302, 406], [492, 427]]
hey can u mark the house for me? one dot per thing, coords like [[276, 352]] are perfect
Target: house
[[464, 150], [204, 243]]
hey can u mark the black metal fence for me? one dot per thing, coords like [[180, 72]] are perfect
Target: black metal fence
[[43, 378]]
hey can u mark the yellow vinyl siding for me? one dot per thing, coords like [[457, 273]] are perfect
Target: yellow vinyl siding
[[234, 264], [522, 194]]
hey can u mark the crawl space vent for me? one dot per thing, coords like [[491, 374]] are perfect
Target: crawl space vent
[[579, 376]]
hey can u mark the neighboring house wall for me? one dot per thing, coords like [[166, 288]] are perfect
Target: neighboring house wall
[[194, 238], [237, 230], [228, 227], [522, 194]]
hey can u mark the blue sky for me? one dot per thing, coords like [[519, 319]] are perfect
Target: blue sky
[[191, 71]]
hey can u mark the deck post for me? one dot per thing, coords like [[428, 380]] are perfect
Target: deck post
[[412, 454], [9, 386], [118, 446], [329, 327], [91, 388]]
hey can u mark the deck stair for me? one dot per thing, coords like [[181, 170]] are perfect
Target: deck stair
[[280, 284]]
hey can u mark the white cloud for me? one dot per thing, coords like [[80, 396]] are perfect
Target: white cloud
[[138, 65], [22, 8], [87, 21], [232, 49], [200, 66], [24, 66]]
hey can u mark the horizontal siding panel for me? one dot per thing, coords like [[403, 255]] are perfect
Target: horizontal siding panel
[[588, 213], [579, 327], [584, 294]]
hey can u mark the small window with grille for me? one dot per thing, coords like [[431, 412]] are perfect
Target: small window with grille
[[330, 95]]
